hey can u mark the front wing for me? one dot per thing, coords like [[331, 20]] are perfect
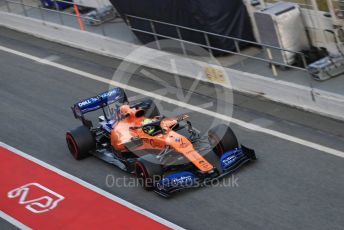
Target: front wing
[[229, 163]]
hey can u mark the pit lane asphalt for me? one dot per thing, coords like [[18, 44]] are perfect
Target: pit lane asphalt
[[289, 187]]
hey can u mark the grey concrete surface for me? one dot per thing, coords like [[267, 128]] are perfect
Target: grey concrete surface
[[6, 225], [106, 67], [289, 187], [322, 101]]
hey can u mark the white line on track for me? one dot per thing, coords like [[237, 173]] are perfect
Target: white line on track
[[13, 221], [241, 123], [87, 185]]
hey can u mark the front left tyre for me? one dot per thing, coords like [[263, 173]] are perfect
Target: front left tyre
[[80, 142], [148, 170]]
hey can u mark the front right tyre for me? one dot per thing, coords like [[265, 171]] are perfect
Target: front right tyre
[[222, 139]]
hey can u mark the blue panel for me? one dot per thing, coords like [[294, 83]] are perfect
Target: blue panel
[[52, 4], [229, 158], [99, 101], [177, 180]]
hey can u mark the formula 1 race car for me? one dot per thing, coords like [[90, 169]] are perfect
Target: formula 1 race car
[[166, 153]]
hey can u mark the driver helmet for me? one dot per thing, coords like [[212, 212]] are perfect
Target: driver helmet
[[148, 129]]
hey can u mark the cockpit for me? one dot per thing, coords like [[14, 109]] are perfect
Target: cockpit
[[151, 126]]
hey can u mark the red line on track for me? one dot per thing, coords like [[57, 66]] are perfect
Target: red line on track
[[76, 206]]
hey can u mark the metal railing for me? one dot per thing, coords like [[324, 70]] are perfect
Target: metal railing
[[266, 48], [302, 3], [27, 6]]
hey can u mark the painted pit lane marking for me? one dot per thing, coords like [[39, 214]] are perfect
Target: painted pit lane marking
[[241, 123], [44, 203], [83, 206]]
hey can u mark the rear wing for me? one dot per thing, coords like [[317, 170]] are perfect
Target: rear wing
[[98, 102]]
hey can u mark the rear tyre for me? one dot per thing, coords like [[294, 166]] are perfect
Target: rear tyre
[[222, 139], [80, 142], [149, 171]]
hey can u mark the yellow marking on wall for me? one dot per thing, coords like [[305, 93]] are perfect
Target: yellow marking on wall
[[214, 74]]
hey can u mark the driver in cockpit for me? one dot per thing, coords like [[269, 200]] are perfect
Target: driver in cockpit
[[149, 129]]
